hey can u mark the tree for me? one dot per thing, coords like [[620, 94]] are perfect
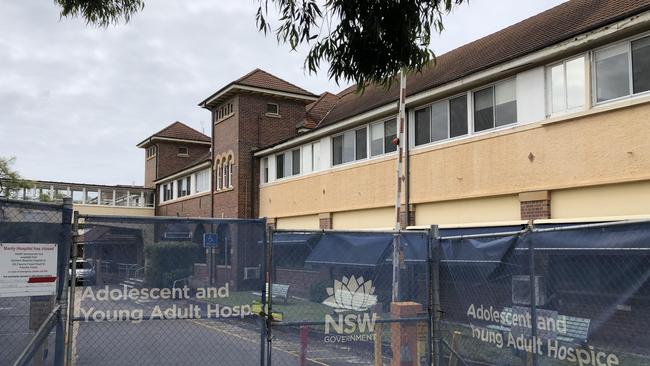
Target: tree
[[101, 13], [10, 180]]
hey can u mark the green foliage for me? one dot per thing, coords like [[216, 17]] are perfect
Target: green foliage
[[10, 180], [365, 41], [318, 291], [169, 261], [101, 13]]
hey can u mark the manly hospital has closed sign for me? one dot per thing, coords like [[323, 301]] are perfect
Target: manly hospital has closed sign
[[27, 269]]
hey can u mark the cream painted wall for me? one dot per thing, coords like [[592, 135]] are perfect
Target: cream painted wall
[[376, 218], [475, 210], [307, 222], [607, 147], [113, 211], [625, 199]]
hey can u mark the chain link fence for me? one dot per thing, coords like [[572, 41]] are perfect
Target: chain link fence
[[331, 299], [34, 244], [167, 291], [575, 295]]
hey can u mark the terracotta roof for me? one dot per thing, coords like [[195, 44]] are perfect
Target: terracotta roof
[[316, 111], [261, 79], [540, 31], [181, 131]]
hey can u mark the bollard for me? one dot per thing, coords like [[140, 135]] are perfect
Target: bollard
[[378, 330], [304, 339]]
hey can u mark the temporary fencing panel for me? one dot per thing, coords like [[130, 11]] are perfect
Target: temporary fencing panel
[[34, 245], [589, 303], [331, 299], [167, 291]]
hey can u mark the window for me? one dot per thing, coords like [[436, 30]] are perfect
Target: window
[[219, 186], [183, 150], [622, 69], [202, 179], [151, 151], [168, 192], [566, 86], [287, 164], [224, 174], [265, 170], [311, 157], [279, 166], [295, 162], [224, 111], [382, 135], [272, 108], [495, 106], [230, 167], [350, 146], [183, 186], [441, 120]]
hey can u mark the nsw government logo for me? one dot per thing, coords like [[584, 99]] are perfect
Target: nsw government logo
[[351, 300]]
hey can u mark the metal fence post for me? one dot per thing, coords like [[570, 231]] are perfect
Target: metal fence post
[[269, 313], [73, 279], [434, 273], [533, 291], [62, 295]]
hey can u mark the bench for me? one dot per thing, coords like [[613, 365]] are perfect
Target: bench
[[346, 298], [277, 291]]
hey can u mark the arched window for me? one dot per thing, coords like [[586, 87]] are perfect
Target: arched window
[[218, 175], [224, 177], [230, 166]]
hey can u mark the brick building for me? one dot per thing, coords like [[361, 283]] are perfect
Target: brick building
[[545, 119]]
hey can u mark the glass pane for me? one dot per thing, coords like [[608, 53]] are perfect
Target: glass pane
[[641, 64], [483, 109], [296, 162], [288, 164], [390, 132], [575, 83], [422, 126], [439, 121], [107, 198], [458, 116], [506, 103], [306, 159], [348, 146], [279, 166], [558, 99], [77, 196], [612, 73], [265, 170], [362, 144], [337, 150], [377, 139], [316, 156], [121, 199]]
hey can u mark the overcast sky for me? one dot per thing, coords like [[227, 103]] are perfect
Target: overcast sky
[[75, 100]]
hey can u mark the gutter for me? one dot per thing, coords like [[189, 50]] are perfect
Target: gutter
[[575, 44]]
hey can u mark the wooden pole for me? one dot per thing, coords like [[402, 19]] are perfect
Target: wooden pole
[[455, 345], [399, 141], [378, 331]]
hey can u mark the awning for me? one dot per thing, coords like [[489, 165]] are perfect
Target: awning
[[350, 249]]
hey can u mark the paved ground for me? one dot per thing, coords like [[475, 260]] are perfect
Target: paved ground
[[192, 341]]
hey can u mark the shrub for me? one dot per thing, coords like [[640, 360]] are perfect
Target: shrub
[[169, 261]]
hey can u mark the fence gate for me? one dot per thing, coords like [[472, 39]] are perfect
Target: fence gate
[[34, 246], [166, 291], [330, 299]]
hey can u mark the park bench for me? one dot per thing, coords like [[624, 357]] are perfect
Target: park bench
[[277, 291]]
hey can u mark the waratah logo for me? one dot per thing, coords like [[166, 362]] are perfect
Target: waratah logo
[[351, 294]]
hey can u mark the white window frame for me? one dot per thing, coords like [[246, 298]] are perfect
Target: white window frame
[[470, 117], [186, 153], [592, 60], [226, 110], [470, 121], [548, 86], [277, 109], [354, 146]]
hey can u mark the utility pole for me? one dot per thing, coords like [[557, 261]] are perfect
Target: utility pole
[[399, 141]]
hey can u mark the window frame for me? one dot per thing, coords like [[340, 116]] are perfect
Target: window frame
[[469, 106], [186, 153], [548, 86], [593, 72], [277, 109], [354, 146], [383, 138], [470, 117]]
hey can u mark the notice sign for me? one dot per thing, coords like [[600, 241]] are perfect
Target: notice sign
[[27, 269]]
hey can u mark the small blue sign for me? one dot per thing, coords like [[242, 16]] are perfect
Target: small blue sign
[[210, 240]]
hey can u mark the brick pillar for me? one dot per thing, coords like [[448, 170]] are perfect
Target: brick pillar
[[325, 220], [535, 205], [411, 216], [403, 336]]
